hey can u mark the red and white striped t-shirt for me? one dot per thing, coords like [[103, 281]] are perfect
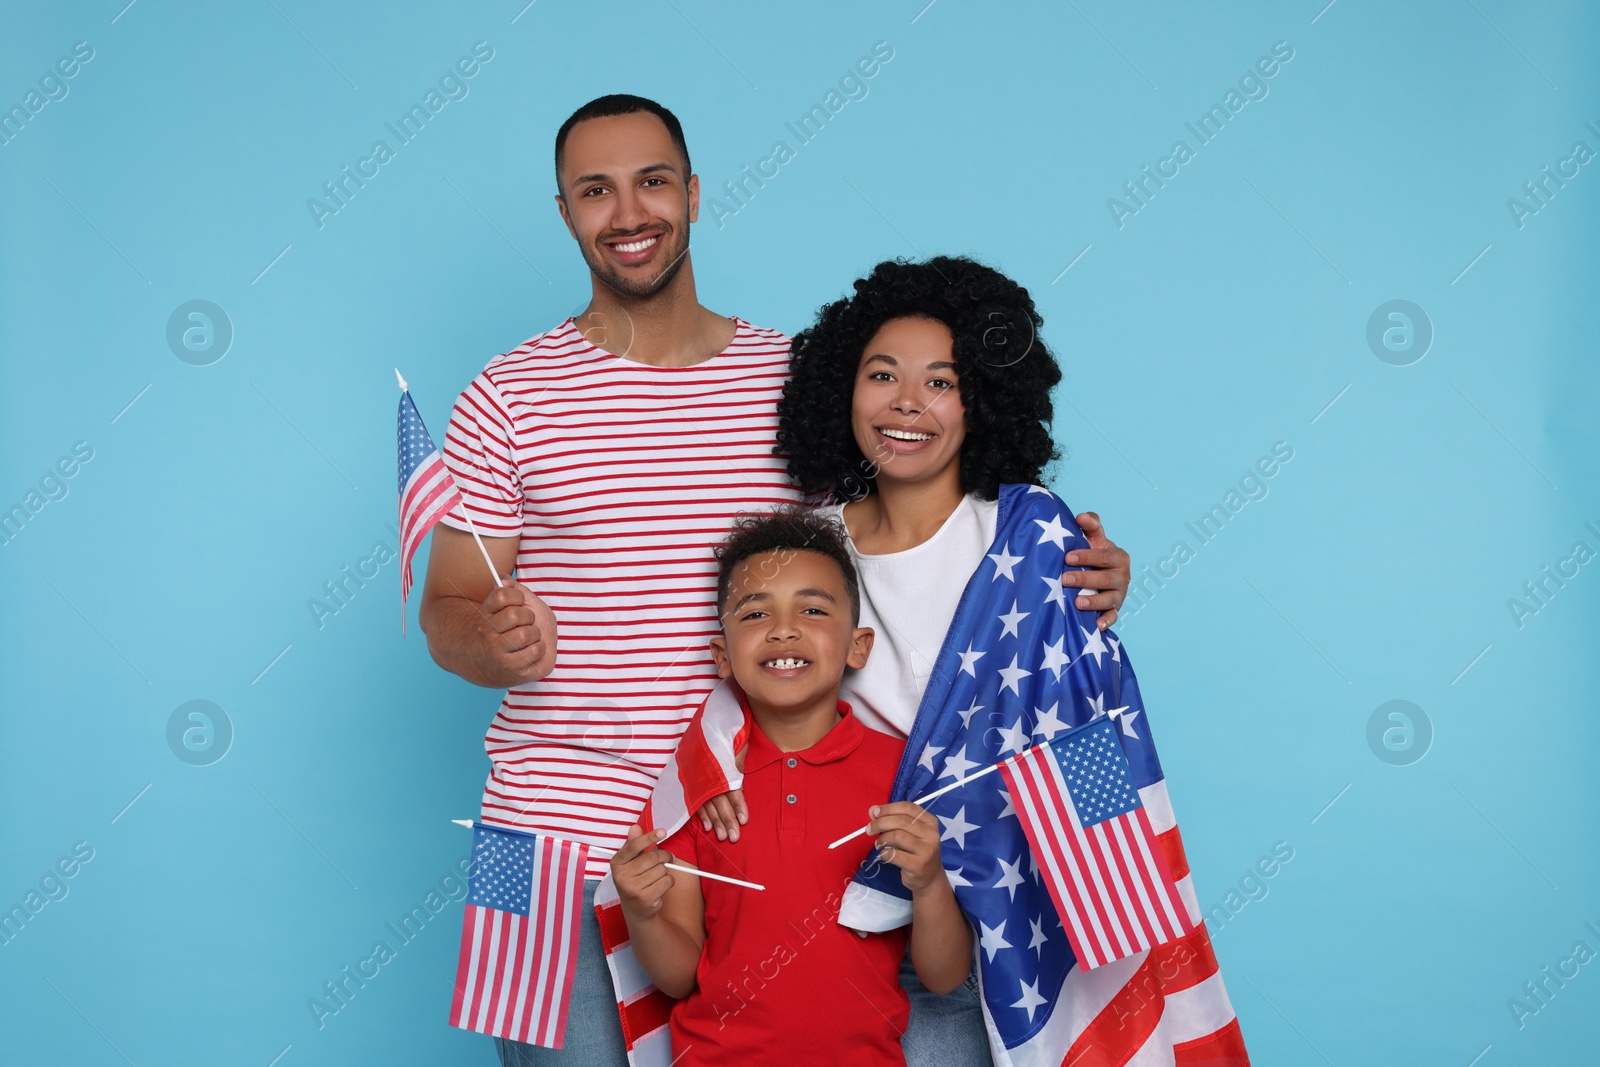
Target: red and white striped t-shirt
[[620, 478]]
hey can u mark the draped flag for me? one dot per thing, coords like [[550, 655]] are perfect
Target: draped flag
[[1022, 665], [427, 491], [701, 768], [1090, 833], [519, 936]]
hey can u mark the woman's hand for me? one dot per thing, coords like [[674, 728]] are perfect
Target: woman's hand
[[1110, 570], [908, 838]]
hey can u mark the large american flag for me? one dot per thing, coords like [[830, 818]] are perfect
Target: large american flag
[[1022, 665], [1112, 890], [519, 936], [427, 491]]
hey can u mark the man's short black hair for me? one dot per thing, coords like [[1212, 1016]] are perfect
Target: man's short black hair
[[787, 530], [602, 107]]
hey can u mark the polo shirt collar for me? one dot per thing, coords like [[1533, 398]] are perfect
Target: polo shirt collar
[[838, 743]]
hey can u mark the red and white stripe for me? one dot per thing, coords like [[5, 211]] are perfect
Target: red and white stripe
[[1110, 885], [644, 1008], [514, 977], [1160, 1007], [701, 768], [618, 478], [429, 494], [703, 764]]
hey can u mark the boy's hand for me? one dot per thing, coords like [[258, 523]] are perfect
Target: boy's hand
[[724, 814], [908, 837], [641, 877]]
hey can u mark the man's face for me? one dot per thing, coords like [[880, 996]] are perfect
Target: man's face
[[787, 635], [627, 202]]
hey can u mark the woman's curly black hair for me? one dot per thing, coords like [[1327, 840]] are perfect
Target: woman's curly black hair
[[1005, 373]]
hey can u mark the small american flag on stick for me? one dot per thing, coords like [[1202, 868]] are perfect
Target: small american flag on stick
[[1094, 844], [427, 492], [519, 936]]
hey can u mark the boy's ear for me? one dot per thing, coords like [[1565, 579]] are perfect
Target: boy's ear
[[719, 652], [860, 647]]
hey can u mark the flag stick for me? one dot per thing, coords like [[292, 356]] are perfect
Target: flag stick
[[936, 794], [495, 574], [404, 388], [608, 853]]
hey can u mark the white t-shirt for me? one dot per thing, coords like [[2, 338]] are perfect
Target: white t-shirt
[[909, 599]]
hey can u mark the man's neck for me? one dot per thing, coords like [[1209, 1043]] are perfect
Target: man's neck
[[668, 328], [796, 731]]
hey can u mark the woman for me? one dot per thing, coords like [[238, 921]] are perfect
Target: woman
[[949, 387], [950, 399], [936, 461]]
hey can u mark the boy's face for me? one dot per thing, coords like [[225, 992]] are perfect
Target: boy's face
[[787, 635]]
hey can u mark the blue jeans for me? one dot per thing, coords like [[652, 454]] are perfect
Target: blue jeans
[[944, 1031]]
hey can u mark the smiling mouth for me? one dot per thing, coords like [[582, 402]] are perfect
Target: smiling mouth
[[634, 249], [785, 663], [904, 435]]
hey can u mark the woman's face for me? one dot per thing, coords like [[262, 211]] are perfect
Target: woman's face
[[906, 411]]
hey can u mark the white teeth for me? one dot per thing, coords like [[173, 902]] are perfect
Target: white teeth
[[788, 664], [636, 246], [906, 435]]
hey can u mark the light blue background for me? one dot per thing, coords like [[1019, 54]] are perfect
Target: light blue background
[[1223, 317]]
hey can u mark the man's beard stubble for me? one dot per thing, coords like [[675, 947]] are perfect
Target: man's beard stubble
[[615, 280]]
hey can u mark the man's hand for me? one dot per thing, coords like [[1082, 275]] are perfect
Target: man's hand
[[493, 637], [727, 812], [641, 875], [518, 631], [1109, 573], [724, 814], [908, 837]]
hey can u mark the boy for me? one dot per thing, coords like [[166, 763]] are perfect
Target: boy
[[770, 976]]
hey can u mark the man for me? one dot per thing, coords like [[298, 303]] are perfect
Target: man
[[602, 461]]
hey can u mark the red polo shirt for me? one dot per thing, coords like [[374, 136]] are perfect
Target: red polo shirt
[[779, 980]]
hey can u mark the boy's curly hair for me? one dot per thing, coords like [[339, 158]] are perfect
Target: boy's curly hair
[[787, 530], [1005, 370]]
